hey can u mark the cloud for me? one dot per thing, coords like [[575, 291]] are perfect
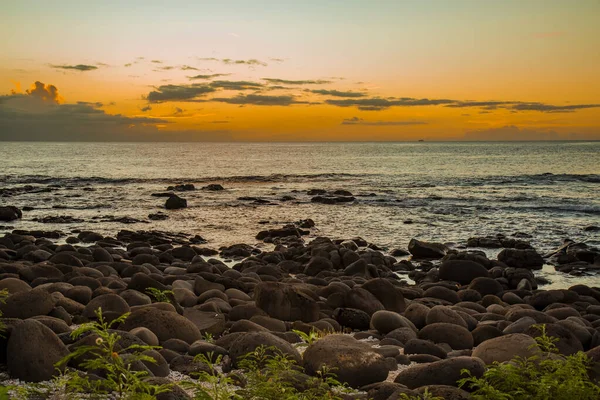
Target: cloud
[[229, 61], [188, 68], [277, 60], [46, 93], [292, 82], [146, 108], [220, 122], [511, 133], [37, 115], [522, 106], [360, 121], [78, 67], [206, 77], [236, 85], [178, 92], [128, 65], [165, 68], [337, 93], [378, 103], [549, 108], [259, 100], [155, 61]]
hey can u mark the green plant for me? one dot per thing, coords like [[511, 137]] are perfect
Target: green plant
[[547, 375], [110, 360], [310, 337], [208, 337], [161, 296], [3, 296], [423, 396], [214, 385], [273, 376]]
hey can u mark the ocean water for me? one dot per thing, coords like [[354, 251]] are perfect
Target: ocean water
[[433, 191]]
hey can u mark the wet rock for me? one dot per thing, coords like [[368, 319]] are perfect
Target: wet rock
[[353, 362], [184, 187], [332, 199], [518, 258], [421, 249], [213, 187], [461, 271], [10, 213], [175, 202]]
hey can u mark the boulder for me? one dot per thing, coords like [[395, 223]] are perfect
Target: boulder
[[27, 304], [444, 314], [354, 363], [456, 336], [461, 271], [505, 348], [32, 352], [286, 302], [386, 321], [444, 372], [389, 295], [10, 213], [426, 250], [175, 202], [164, 324], [248, 342], [521, 258]]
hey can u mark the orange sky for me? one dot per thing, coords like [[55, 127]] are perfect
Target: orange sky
[[381, 70]]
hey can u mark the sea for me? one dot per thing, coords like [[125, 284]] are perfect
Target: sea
[[435, 191]]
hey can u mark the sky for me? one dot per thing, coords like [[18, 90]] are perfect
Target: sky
[[351, 70]]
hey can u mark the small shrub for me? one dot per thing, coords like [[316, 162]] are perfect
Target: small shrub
[[311, 337], [161, 296], [540, 377], [3, 295], [108, 358], [214, 385]]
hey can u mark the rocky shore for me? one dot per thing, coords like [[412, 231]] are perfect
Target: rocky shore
[[380, 334]]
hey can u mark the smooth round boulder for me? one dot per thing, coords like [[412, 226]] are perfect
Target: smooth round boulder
[[164, 324], [457, 337], [505, 348], [420, 346], [417, 314], [485, 286], [33, 349], [461, 271], [14, 285], [286, 302], [444, 372], [352, 318], [444, 314], [248, 342], [109, 303], [386, 321], [145, 335], [24, 305], [354, 363]]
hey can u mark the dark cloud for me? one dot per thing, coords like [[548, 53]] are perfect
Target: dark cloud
[[229, 61], [515, 106], [510, 133], [146, 108], [46, 93], [236, 85], [188, 68], [337, 93], [206, 77], [36, 115], [549, 108], [178, 92], [360, 121], [165, 68], [293, 82], [278, 60], [78, 67], [378, 103], [259, 100], [155, 61], [128, 65]]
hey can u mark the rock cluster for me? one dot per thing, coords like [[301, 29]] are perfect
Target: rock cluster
[[464, 311]]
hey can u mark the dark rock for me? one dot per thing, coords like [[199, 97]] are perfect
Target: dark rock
[[456, 336], [29, 362], [354, 363], [426, 250], [286, 302], [175, 202], [387, 321], [24, 305], [248, 342], [352, 318], [461, 271], [444, 372], [164, 324], [505, 348], [419, 346], [517, 258], [10, 213]]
